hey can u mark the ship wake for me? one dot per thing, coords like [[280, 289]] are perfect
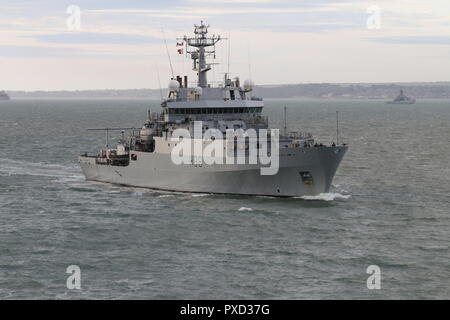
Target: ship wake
[[331, 196], [11, 167]]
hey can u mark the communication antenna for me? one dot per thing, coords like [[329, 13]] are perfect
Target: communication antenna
[[337, 127], [168, 54], [201, 42], [285, 121], [229, 51], [249, 63]]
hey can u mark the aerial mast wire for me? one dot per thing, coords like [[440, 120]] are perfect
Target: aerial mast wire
[[159, 81], [249, 63], [168, 54], [285, 121], [229, 52], [337, 127]]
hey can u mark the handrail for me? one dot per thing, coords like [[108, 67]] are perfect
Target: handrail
[[298, 135]]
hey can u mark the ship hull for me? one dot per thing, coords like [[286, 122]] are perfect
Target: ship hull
[[156, 171], [406, 102]]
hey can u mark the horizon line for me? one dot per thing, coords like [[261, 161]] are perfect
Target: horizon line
[[261, 85]]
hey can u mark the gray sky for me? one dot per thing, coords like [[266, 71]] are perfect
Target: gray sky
[[120, 43]]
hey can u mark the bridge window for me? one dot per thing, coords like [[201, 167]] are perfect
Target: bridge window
[[213, 110]]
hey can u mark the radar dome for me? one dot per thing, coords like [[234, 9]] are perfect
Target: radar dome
[[174, 85], [198, 91], [248, 85]]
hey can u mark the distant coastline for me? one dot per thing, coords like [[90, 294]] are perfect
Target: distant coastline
[[423, 90]]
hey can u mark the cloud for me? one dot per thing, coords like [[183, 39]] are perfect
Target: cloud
[[233, 1], [96, 38], [414, 40], [111, 52], [42, 52], [213, 11], [304, 36]]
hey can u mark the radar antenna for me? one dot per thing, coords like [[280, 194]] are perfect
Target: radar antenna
[[201, 41]]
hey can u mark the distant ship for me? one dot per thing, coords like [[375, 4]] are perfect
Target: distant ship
[[402, 99], [4, 96]]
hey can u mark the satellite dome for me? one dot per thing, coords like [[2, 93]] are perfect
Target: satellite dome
[[248, 85], [174, 85], [198, 91]]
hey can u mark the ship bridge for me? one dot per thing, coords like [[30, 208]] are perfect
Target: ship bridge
[[229, 100]]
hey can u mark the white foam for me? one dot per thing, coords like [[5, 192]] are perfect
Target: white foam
[[326, 197], [166, 196], [200, 195], [245, 209]]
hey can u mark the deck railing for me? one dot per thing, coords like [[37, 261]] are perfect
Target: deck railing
[[298, 135]]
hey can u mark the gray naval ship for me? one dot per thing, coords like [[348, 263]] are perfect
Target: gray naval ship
[[4, 96], [402, 99], [144, 159]]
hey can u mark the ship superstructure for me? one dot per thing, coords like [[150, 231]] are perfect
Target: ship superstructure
[[145, 159], [402, 99], [4, 96]]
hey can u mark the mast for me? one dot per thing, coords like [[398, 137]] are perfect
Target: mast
[[337, 127], [285, 121], [201, 41]]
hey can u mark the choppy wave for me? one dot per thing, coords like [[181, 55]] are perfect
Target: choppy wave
[[121, 239], [245, 209], [326, 197]]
